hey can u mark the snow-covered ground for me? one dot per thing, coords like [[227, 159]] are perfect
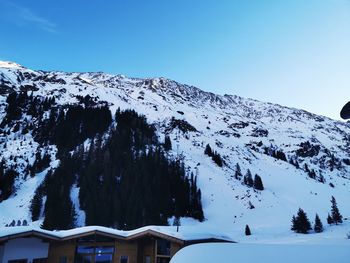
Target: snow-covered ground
[[269, 253], [229, 124]]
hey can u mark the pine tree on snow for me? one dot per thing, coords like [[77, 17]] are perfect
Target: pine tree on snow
[[329, 219], [167, 143], [238, 172], [248, 179], [258, 184], [336, 216], [208, 151], [301, 223], [247, 231], [318, 227]]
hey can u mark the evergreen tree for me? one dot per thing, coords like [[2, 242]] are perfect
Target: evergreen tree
[[238, 172], [280, 155], [247, 231], [7, 180], [330, 219], [36, 205], [177, 223], [208, 151], [248, 179], [297, 164], [294, 223], [167, 143], [312, 174], [321, 179], [258, 185], [216, 157], [336, 216], [301, 223], [318, 227], [13, 223]]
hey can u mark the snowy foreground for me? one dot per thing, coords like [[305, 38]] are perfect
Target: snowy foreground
[[271, 253]]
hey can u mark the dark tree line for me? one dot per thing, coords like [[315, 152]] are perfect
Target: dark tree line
[[167, 143], [275, 153], [301, 223], [19, 103], [42, 161], [7, 180], [125, 181], [69, 127], [65, 126], [146, 187]]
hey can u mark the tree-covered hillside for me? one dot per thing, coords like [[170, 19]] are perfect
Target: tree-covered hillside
[[125, 176]]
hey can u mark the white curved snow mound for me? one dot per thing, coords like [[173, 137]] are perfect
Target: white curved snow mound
[[254, 253]]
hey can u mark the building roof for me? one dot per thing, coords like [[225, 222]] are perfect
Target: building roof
[[183, 236]]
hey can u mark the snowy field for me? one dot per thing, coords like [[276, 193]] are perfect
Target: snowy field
[[271, 253]]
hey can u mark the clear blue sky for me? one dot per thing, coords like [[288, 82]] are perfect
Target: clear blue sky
[[292, 52]]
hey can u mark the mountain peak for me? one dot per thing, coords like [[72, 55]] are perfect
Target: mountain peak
[[9, 64]]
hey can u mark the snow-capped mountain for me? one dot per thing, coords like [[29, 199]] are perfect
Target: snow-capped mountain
[[302, 158]]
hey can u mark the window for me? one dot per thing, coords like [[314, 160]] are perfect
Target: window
[[163, 247], [40, 260], [163, 251], [147, 259], [63, 260], [18, 261], [85, 249], [96, 254], [104, 249], [123, 259]]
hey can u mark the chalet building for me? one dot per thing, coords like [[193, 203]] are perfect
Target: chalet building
[[94, 244]]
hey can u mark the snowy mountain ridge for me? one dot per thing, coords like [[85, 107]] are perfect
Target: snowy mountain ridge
[[283, 145]]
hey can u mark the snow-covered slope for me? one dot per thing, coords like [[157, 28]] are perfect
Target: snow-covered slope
[[241, 130]]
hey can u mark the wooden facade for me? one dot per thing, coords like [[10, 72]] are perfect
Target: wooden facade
[[141, 248], [96, 246]]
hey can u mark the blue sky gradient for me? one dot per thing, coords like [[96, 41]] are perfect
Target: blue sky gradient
[[293, 52]]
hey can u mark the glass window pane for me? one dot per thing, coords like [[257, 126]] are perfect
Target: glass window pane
[[105, 249], [85, 249], [123, 259], [103, 258], [163, 247]]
